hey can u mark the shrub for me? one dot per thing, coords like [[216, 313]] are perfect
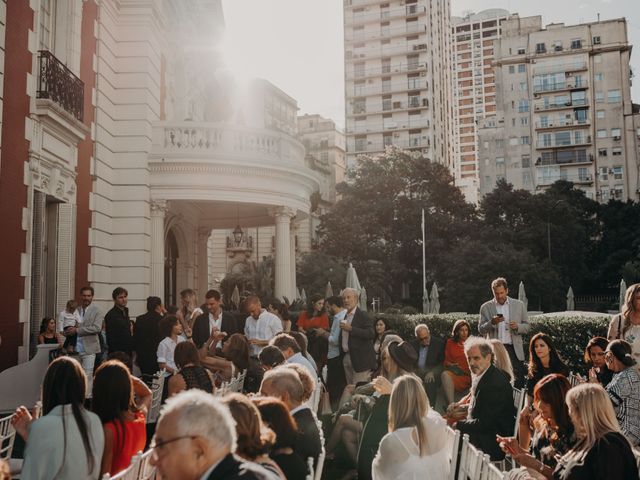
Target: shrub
[[570, 333]]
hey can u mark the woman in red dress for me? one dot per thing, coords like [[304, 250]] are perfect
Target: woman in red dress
[[314, 323], [124, 421], [456, 376]]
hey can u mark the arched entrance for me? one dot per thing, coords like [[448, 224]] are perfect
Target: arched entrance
[[170, 269]]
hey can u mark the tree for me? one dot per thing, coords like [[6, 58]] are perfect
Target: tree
[[315, 269], [376, 224]]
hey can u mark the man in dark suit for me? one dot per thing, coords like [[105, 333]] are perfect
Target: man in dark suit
[[491, 411], [285, 384], [146, 336], [214, 320], [118, 325], [356, 340], [429, 367], [195, 439]]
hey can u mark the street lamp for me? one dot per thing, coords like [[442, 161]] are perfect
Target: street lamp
[[237, 232]]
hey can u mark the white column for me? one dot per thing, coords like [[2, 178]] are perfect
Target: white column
[[293, 259], [158, 212], [283, 278], [203, 262]]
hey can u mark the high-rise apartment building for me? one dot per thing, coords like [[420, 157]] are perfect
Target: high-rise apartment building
[[564, 110], [398, 77], [474, 89]]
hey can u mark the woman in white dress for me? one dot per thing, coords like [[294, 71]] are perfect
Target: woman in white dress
[[416, 445]]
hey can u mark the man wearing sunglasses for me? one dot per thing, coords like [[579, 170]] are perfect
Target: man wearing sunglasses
[[196, 439]]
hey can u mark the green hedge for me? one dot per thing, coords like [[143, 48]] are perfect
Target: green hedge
[[570, 333]]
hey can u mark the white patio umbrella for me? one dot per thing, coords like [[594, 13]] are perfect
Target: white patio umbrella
[[303, 296], [235, 297], [328, 292], [435, 299], [522, 295], [426, 306], [623, 291], [571, 303], [352, 278], [298, 296], [362, 302]]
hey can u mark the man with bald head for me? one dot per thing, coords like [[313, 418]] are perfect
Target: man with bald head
[[284, 383], [261, 326], [356, 340]]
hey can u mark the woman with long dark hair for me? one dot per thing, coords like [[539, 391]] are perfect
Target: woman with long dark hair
[[594, 355], [67, 441], [48, 334], [124, 421], [456, 376], [314, 323], [191, 373]]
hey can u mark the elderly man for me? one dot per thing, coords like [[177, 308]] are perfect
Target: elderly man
[[429, 367], [356, 340], [261, 326], [284, 384], [195, 440], [491, 411], [292, 353], [505, 318]]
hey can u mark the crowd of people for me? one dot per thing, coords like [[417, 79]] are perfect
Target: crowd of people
[[387, 406]]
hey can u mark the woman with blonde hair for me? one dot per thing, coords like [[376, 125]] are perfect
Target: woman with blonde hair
[[501, 358], [601, 451], [417, 436], [626, 325]]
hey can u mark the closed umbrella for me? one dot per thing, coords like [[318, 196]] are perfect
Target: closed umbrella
[[352, 279], [571, 304], [235, 297], [362, 302], [435, 299], [328, 292], [623, 292], [303, 296], [522, 295]]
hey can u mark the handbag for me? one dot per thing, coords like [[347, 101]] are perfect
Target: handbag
[[325, 403]]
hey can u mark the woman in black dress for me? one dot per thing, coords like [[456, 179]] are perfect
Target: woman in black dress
[[48, 334], [191, 374]]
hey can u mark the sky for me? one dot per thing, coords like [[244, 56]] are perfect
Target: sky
[[298, 44]]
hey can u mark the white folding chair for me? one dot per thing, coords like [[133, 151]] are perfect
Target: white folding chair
[[490, 471], [519, 395], [7, 437], [470, 461], [129, 473], [146, 471], [157, 386], [574, 379], [311, 474], [320, 465], [453, 441]]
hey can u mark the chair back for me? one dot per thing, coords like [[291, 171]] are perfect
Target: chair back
[[453, 443], [146, 470], [129, 473], [519, 395], [311, 474], [490, 471], [574, 379], [7, 437], [320, 465], [470, 461], [157, 386]]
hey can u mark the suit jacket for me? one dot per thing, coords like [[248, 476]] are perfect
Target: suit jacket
[[435, 355], [517, 313], [91, 328], [117, 326], [491, 412], [201, 330], [146, 337], [363, 356], [234, 468], [309, 442]]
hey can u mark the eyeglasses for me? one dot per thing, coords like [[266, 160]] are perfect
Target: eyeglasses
[[158, 446]]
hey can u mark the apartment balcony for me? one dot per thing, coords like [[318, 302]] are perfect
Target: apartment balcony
[[566, 159], [375, 17], [544, 106], [384, 89], [387, 107], [373, 147], [558, 87], [384, 127], [562, 122], [58, 84], [386, 51], [386, 70], [584, 141], [386, 32], [545, 181], [561, 67]]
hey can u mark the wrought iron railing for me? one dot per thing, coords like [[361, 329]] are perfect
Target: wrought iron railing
[[57, 83]]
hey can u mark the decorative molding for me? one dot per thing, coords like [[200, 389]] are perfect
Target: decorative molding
[[158, 207], [282, 212]]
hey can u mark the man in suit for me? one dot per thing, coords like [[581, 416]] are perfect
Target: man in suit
[[88, 330], [356, 340], [195, 439], [146, 336], [283, 383], [505, 318], [430, 362], [491, 411], [118, 325], [215, 320]]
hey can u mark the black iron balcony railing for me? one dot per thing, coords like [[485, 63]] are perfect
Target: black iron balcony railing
[[57, 83]]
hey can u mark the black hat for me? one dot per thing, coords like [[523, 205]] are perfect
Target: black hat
[[404, 355]]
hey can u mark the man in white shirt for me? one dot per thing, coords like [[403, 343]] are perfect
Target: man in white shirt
[[505, 319], [291, 351], [261, 326]]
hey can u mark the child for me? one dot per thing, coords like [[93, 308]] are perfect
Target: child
[[69, 318]]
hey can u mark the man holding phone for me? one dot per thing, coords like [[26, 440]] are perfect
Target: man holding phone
[[505, 318]]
